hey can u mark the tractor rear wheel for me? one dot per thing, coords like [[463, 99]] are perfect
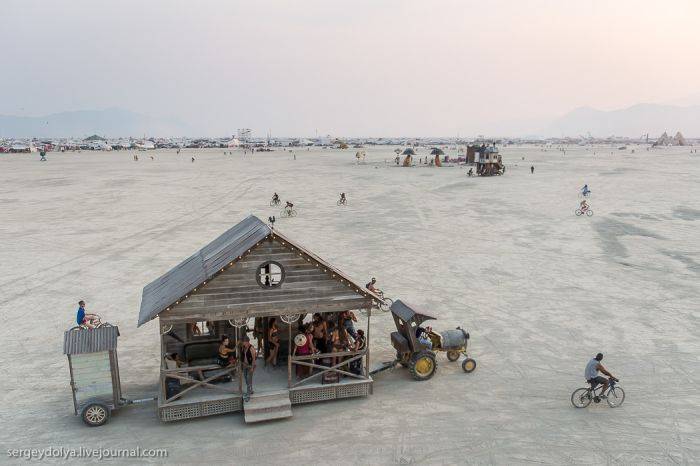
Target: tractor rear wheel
[[422, 365], [453, 355]]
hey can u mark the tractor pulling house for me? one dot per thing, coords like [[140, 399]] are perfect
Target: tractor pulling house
[[251, 273]]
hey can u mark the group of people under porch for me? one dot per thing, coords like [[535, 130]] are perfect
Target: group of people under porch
[[324, 334], [327, 335]]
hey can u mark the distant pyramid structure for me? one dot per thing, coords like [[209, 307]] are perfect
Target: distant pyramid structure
[[666, 140], [679, 140]]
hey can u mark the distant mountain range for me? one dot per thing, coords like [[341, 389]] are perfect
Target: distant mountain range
[[633, 121], [111, 122]]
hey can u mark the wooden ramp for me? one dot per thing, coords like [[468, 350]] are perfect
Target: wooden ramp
[[268, 406]]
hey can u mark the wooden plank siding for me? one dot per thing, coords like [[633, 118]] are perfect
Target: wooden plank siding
[[307, 287], [92, 377]]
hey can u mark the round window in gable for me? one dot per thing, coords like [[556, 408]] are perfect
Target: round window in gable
[[270, 274]]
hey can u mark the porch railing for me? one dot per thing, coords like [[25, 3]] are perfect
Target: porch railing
[[308, 361], [182, 374]]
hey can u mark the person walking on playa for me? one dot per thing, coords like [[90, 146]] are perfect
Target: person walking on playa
[[532, 169], [248, 362], [193, 159]]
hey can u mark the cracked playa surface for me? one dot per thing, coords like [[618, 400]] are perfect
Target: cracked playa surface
[[539, 289]]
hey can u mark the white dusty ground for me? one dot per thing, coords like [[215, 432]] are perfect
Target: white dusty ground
[[539, 289]]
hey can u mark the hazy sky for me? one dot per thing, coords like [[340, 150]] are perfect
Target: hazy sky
[[367, 67]]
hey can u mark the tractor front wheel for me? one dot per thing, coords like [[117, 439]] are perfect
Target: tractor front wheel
[[468, 365], [422, 365]]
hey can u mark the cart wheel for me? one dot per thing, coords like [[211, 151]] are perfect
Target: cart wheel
[[422, 365], [453, 355], [468, 365], [95, 414]]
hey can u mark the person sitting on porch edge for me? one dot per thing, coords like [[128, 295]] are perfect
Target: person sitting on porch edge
[[226, 356]]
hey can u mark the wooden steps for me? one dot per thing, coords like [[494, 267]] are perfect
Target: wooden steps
[[267, 406]]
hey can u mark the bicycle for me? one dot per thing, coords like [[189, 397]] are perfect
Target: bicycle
[[579, 212], [342, 201], [274, 202], [288, 212], [385, 303], [582, 397], [96, 323]]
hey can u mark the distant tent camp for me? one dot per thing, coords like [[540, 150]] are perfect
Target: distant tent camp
[[95, 137]]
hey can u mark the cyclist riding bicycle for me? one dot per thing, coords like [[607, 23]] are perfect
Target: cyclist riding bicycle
[[370, 286], [289, 205], [585, 191], [342, 198], [83, 318], [583, 206], [275, 198], [592, 368]]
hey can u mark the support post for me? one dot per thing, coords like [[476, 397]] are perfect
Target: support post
[[369, 317], [289, 357], [239, 369], [162, 365]]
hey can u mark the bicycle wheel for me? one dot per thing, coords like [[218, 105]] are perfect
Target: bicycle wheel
[[292, 213], [384, 306], [578, 212], [616, 395], [581, 398], [589, 212]]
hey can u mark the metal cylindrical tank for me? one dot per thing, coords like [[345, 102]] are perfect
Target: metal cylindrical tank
[[453, 339]]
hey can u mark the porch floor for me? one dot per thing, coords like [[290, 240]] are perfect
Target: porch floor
[[266, 379]]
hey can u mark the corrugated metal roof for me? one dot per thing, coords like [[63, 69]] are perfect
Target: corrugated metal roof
[[201, 266], [407, 312], [90, 340]]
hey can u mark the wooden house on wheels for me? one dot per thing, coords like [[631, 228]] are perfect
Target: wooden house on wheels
[[252, 277]]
